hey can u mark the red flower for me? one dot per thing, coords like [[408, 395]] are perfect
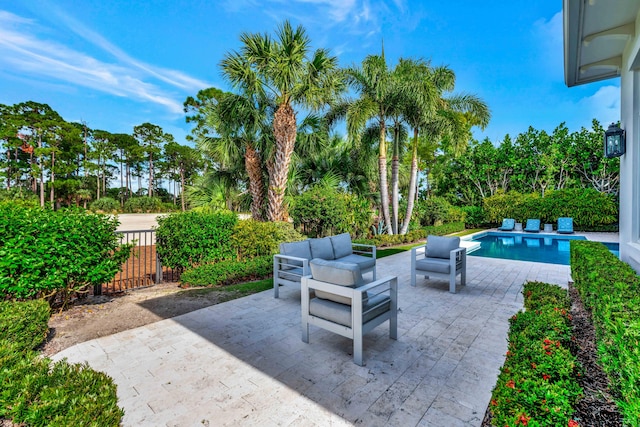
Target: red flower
[[523, 419], [494, 402], [511, 384], [573, 423], [546, 377], [533, 365]]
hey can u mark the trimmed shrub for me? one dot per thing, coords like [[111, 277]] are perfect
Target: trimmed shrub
[[228, 272], [143, 204], [251, 238], [437, 211], [611, 290], [38, 393], [323, 211], [53, 254], [24, 323], [105, 205], [190, 238], [537, 385]]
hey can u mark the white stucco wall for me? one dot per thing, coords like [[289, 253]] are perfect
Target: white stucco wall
[[630, 162]]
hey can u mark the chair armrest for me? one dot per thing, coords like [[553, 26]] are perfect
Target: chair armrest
[[356, 246], [415, 251], [345, 291], [285, 260]]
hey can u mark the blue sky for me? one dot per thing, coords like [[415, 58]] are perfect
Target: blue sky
[[116, 64]]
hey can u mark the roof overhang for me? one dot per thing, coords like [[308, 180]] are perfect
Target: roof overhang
[[596, 33]]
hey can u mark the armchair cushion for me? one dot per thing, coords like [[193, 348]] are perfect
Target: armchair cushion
[[441, 247], [341, 313], [341, 245], [297, 249], [337, 273], [436, 265], [322, 248]]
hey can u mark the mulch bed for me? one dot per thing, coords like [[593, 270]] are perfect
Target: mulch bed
[[596, 408]]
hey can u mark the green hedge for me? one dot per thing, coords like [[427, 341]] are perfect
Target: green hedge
[[34, 391], [227, 272], [105, 205], [323, 211], [537, 385], [590, 209], [52, 254], [254, 238], [436, 211], [383, 240], [191, 238], [611, 290]]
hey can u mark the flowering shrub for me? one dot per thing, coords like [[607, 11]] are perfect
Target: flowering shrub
[[536, 385]]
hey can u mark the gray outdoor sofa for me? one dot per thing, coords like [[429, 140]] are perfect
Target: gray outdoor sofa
[[293, 260]]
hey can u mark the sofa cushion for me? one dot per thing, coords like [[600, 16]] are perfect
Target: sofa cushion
[[321, 248], [364, 262], [441, 247], [436, 265], [341, 245], [337, 273]]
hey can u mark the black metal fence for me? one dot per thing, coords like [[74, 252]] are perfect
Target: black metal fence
[[142, 269]]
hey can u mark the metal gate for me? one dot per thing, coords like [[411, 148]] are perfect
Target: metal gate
[[142, 269]]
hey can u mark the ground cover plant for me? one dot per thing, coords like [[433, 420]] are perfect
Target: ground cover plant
[[611, 290], [56, 254], [37, 392], [537, 385]]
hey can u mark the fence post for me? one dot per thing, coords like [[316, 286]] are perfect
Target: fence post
[[158, 269], [97, 290]]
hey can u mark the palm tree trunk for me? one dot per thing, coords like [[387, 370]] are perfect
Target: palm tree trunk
[[412, 183], [384, 186], [256, 186], [395, 171], [284, 131]]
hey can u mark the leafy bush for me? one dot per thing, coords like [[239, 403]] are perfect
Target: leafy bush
[[54, 254], [105, 205], [474, 216], [437, 211], [383, 240], [537, 385], [227, 272], [590, 209], [611, 290], [143, 204], [191, 238], [24, 323], [323, 211], [253, 238], [19, 196], [35, 392]]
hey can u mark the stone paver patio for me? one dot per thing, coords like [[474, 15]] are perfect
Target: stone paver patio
[[243, 362]]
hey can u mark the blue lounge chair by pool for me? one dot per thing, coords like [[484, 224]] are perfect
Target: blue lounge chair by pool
[[533, 226], [565, 225], [507, 224]]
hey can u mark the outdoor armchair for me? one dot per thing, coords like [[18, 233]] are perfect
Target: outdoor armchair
[[335, 298], [441, 258], [507, 224], [533, 226], [565, 225]]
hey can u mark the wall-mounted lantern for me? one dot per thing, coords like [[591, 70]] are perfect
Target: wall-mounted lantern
[[614, 143]]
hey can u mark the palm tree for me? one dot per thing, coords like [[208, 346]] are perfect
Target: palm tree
[[241, 123], [379, 92], [436, 117], [282, 70]]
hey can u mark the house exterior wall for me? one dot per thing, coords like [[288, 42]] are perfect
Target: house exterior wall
[[630, 162]]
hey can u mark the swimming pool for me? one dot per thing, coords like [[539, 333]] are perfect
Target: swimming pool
[[547, 248]]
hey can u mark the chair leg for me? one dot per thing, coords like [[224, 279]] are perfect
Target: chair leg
[[413, 271], [374, 273], [452, 282], [393, 327], [357, 349], [305, 332]]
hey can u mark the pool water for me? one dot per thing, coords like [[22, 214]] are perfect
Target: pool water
[[550, 249]]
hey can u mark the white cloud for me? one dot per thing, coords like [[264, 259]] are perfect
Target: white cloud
[[549, 40], [22, 51], [603, 105]]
